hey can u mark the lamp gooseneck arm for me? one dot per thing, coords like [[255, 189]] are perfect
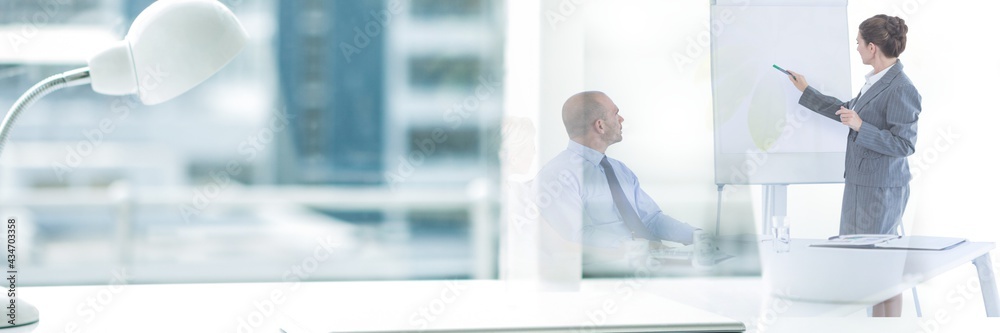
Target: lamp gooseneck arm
[[27, 313], [62, 80]]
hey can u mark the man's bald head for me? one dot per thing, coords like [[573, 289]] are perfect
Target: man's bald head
[[581, 111]]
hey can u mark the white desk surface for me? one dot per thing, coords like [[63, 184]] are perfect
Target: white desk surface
[[880, 325], [360, 307], [855, 276], [492, 306], [247, 307], [224, 307], [147, 308]]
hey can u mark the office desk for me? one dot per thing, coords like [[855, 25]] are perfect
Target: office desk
[[879, 325], [817, 281], [431, 306]]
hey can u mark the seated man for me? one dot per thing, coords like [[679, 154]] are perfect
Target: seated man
[[590, 199]]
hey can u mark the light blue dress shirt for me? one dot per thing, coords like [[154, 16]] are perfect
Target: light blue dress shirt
[[573, 197]]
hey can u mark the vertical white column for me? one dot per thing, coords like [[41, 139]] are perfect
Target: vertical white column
[[518, 257], [544, 66]]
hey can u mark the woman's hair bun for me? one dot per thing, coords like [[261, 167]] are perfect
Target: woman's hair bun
[[895, 26]]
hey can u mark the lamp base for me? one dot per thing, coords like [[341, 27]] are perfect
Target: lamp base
[[26, 314]]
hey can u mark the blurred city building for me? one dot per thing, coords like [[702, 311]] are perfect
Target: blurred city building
[[316, 136]]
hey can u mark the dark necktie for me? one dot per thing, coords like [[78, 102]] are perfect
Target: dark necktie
[[632, 220]]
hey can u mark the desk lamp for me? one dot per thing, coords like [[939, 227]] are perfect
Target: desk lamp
[[172, 46]]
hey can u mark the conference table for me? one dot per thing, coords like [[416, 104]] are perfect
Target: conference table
[[823, 281]]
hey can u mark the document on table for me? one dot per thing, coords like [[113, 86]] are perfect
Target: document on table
[[891, 242]]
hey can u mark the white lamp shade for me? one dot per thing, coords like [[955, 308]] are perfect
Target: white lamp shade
[[172, 46]]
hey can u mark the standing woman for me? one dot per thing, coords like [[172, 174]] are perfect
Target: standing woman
[[883, 122]]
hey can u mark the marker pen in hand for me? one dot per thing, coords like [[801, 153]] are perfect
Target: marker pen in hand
[[786, 72]]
